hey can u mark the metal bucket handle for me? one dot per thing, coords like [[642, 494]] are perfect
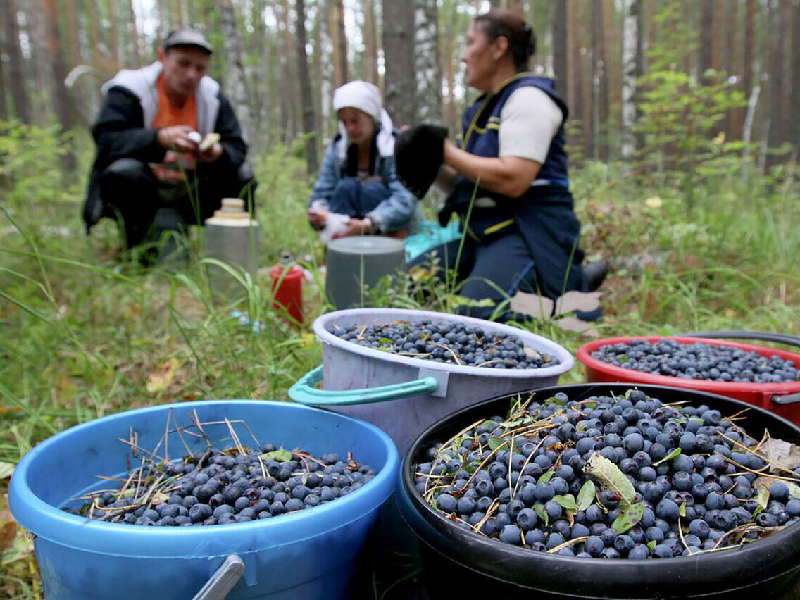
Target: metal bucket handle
[[306, 392], [777, 338]]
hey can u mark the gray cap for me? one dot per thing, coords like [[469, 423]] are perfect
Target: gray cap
[[187, 37]]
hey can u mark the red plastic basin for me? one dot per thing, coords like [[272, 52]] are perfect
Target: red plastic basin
[[780, 398]]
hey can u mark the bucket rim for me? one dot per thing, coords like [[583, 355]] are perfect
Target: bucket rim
[[566, 361], [596, 570], [76, 532], [584, 356]]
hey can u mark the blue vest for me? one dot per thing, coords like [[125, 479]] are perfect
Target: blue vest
[[481, 127], [544, 214]]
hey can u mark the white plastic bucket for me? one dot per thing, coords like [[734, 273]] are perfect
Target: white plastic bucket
[[361, 382]]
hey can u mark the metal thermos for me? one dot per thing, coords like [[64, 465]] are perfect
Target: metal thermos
[[357, 263], [231, 238]]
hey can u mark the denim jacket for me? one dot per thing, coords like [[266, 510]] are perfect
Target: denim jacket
[[396, 212]]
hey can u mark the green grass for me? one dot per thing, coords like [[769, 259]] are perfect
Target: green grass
[[83, 336]]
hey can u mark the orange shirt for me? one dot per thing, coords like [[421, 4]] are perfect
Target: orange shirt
[[168, 115]]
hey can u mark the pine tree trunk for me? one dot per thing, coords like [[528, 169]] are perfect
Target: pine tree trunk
[[775, 80], [341, 38], [426, 55], [113, 34], [306, 100], [706, 37], [62, 102], [333, 30], [398, 48], [370, 42], [560, 47], [789, 86], [600, 80], [236, 80], [718, 33], [734, 119], [748, 53], [631, 68]]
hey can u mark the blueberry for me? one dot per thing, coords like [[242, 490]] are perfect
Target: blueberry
[[779, 491], [554, 540], [511, 534], [667, 510], [594, 545]]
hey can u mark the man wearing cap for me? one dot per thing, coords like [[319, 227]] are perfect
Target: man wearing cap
[[357, 191], [169, 146]]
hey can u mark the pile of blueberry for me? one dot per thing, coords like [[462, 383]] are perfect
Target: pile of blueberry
[[445, 342], [625, 477], [228, 487], [698, 361]]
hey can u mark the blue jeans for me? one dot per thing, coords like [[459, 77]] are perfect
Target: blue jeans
[[355, 199]]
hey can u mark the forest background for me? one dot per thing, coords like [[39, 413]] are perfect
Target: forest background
[[683, 140]]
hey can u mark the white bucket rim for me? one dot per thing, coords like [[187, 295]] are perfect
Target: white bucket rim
[[373, 315]]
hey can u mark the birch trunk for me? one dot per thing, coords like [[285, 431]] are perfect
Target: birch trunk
[[327, 81], [133, 29], [631, 55], [426, 59], [236, 81], [37, 30]]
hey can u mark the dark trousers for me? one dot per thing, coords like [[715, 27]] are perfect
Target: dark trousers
[[131, 194], [492, 271], [355, 199]]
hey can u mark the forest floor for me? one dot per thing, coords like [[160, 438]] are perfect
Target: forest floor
[[85, 335]]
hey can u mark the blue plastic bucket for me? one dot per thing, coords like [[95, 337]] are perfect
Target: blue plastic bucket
[[315, 554]]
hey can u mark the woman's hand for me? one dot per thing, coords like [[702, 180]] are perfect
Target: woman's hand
[[356, 227], [317, 217]]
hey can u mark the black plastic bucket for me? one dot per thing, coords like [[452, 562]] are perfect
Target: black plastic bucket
[[459, 563]]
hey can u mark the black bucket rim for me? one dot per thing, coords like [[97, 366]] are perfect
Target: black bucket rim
[[767, 558]]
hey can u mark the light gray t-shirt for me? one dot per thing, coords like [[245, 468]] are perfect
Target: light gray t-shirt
[[528, 123]]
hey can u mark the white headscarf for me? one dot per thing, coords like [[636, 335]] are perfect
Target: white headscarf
[[365, 97]]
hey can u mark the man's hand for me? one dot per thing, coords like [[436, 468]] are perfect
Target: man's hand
[[210, 155], [177, 138]]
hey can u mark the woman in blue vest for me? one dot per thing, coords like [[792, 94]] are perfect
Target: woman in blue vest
[[506, 175]]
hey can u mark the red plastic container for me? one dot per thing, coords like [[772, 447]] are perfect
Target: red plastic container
[[780, 398], [287, 290]]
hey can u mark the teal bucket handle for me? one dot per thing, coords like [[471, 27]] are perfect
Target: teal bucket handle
[[306, 392]]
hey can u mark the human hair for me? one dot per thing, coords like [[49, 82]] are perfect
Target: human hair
[[501, 22]]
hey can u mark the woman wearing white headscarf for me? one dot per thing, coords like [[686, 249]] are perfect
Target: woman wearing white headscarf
[[357, 191]]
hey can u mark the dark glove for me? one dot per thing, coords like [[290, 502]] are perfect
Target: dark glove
[[418, 153]]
